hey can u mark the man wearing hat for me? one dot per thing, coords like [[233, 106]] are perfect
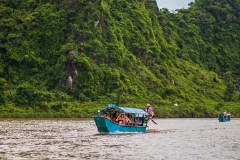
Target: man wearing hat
[[149, 110]]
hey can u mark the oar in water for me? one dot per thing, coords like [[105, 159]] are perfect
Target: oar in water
[[153, 120]]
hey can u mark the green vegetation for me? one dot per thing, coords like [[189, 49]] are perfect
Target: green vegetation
[[70, 58]]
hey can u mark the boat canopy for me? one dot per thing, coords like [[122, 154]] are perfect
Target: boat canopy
[[112, 108]]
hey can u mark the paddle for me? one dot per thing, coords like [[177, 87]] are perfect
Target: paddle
[[153, 120]]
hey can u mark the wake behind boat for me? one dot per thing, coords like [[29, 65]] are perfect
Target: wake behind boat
[[113, 119]]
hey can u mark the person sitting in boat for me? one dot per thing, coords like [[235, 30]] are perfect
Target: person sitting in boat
[[149, 110], [106, 116], [120, 119], [113, 118], [225, 115], [136, 122], [128, 119]]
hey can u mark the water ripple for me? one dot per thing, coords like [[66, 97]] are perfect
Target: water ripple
[[79, 139]]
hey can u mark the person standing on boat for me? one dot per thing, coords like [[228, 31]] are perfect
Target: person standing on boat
[[149, 110]]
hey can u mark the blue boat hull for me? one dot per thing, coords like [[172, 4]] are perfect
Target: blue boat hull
[[224, 120], [106, 125]]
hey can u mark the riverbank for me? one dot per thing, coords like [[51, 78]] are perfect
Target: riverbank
[[89, 109]]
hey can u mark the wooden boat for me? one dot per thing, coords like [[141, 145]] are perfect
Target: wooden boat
[[134, 119], [224, 117]]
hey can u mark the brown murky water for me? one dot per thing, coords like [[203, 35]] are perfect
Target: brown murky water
[[78, 139]]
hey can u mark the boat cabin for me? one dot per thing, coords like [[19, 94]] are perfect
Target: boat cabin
[[124, 115]]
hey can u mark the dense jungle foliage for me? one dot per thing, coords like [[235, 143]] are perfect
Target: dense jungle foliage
[[69, 58]]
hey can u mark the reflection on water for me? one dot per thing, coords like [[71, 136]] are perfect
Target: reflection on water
[[79, 139]]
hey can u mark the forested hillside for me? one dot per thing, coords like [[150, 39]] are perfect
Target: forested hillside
[[68, 58]]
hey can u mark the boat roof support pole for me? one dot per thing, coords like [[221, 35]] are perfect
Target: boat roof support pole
[[124, 119]]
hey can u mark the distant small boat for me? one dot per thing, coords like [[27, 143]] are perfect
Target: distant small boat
[[224, 117], [113, 119]]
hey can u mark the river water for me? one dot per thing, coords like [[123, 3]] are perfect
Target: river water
[[78, 139]]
